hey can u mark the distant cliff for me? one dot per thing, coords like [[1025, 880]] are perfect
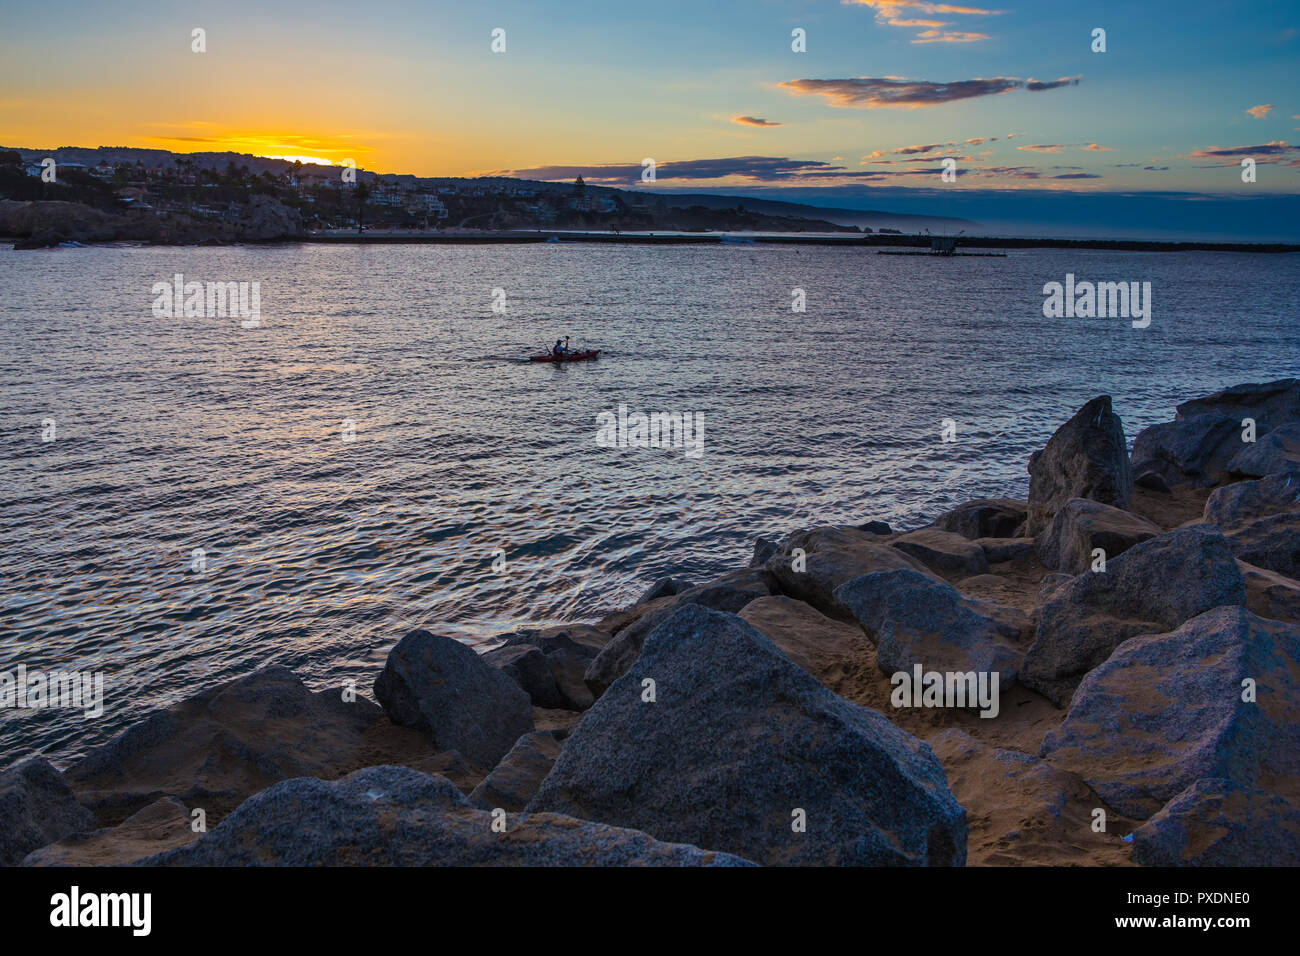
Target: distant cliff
[[37, 224]]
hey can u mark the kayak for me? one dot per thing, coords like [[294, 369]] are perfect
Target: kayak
[[570, 357]]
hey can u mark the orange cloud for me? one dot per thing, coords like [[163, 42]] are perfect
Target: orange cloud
[[1259, 112], [752, 121], [871, 92], [901, 13]]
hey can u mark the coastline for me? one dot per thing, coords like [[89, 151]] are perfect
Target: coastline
[[776, 683], [799, 239], [524, 237]]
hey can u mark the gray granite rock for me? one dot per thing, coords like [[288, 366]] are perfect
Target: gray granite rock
[[832, 556], [439, 686], [1081, 527], [528, 667], [1082, 622], [664, 587], [395, 816], [1192, 452], [985, 518], [915, 620], [1272, 454], [1269, 403], [1217, 822], [738, 740], [1236, 505], [225, 743], [1272, 543], [764, 548], [944, 552], [1087, 457], [37, 807], [729, 593], [1167, 710]]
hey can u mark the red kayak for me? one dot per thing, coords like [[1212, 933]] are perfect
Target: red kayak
[[570, 357]]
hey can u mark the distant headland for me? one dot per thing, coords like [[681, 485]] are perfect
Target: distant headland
[[82, 195], [75, 194]]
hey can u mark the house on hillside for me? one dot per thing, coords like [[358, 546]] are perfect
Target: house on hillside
[[426, 204]]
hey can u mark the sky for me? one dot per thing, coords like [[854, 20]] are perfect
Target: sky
[[1037, 125]]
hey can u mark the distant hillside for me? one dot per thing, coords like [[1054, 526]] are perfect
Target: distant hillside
[[866, 218], [256, 165]]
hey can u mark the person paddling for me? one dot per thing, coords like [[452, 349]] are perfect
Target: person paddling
[[561, 349]]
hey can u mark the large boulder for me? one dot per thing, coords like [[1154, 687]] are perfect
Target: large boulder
[[162, 825], [1269, 403], [743, 751], [944, 552], [1082, 526], [442, 688], [915, 620], [615, 621], [985, 518], [1274, 453], [1238, 504], [1207, 444], [664, 587], [229, 741], [729, 593], [1262, 520], [1152, 587], [528, 667], [1272, 543], [395, 816], [549, 663], [832, 556], [37, 807], [1217, 822], [1087, 457], [764, 548], [621, 653], [1192, 452], [1167, 710], [514, 781]]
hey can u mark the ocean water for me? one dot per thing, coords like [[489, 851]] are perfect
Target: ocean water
[[185, 435]]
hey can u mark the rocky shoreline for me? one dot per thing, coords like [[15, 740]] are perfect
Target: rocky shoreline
[[43, 224], [1136, 620], [33, 224]]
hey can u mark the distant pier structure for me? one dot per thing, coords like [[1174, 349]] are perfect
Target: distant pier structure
[[939, 246]]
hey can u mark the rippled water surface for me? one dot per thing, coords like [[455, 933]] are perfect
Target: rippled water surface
[[178, 435]]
